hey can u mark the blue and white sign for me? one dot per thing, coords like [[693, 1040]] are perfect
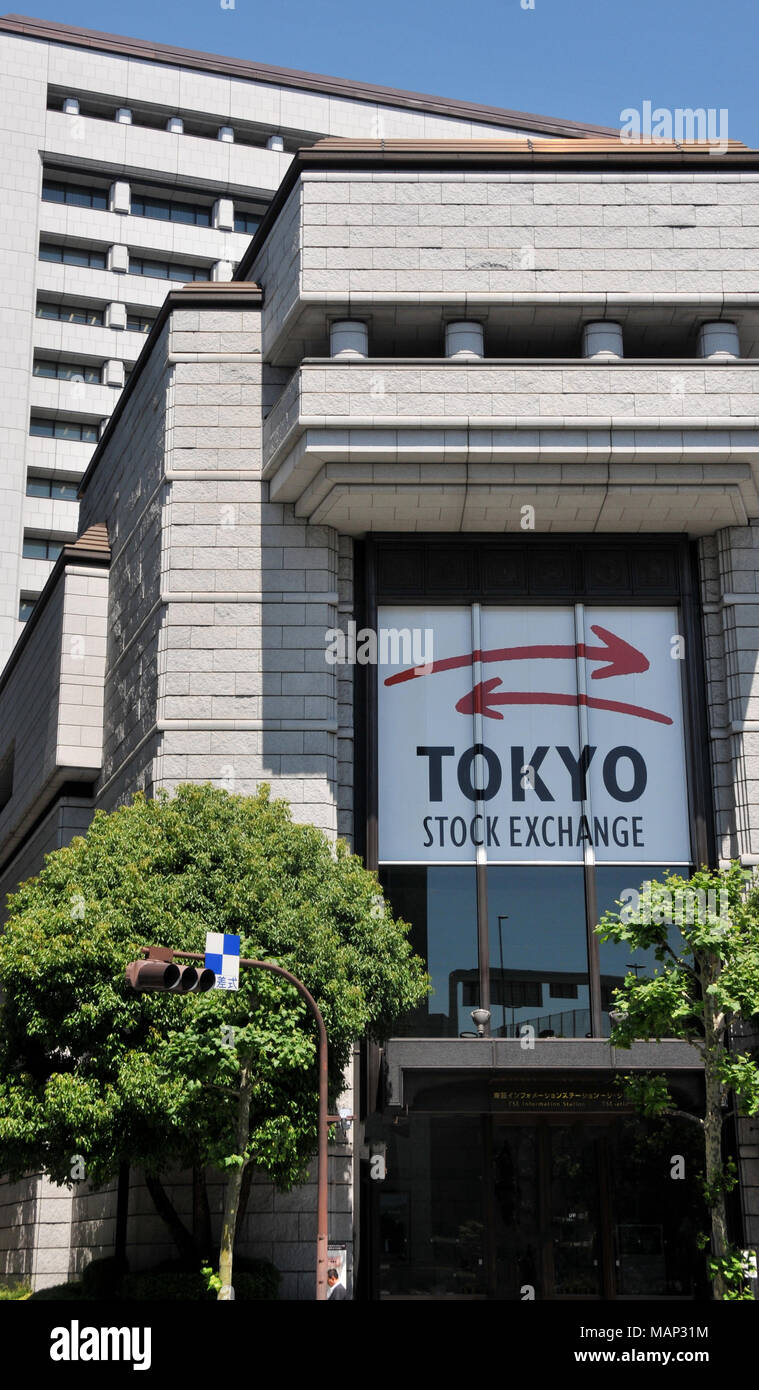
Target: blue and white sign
[[223, 957]]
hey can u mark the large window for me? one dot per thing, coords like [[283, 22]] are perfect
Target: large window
[[83, 256], [167, 270], [248, 222], [71, 313], [67, 371], [538, 951], [440, 903], [41, 548], [48, 487], [164, 210], [139, 323], [77, 431], [531, 765], [75, 195]]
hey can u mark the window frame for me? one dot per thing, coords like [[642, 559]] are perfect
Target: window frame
[[75, 195], [446, 570], [196, 214], [86, 322], [80, 256]]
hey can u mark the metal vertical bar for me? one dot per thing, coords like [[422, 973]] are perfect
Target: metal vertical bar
[[588, 851], [481, 866]]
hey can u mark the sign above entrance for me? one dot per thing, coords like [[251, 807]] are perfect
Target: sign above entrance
[[532, 735], [557, 1096]]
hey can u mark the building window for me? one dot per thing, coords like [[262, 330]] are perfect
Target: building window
[[26, 607], [167, 270], [164, 210], [499, 767], [139, 323], [48, 487], [75, 195], [77, 430], [71, 313], [247, 222], [41, 548], [67, 371], [72, 255]]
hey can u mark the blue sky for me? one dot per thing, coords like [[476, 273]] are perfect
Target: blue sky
[[580, 59]]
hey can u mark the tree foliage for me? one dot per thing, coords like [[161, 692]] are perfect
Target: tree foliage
[[87, 1067], [705, 935]]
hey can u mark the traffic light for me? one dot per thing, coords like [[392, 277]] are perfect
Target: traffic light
[[164, 975]]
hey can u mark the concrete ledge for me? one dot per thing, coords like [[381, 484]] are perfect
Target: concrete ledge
[[482, 1055]]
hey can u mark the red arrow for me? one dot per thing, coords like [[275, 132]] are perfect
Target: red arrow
[[622, 659], [482, 699]]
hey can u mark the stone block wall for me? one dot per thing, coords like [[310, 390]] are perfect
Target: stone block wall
[[219, 605], [730, 597]]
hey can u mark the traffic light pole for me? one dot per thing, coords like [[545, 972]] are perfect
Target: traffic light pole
[[321, 1164]]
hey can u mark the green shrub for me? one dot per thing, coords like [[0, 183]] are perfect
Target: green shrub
[[260, 1277], [254, 1280], [9, 1292], [102, 1278], [62, 1291], [177, 1286]]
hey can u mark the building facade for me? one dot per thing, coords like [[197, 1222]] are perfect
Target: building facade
[[491, 407], [130, 166]]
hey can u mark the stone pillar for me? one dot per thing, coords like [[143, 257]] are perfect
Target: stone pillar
[[464, 339], [223, 215], [115, 316], [275, 142], [718, 339], [226, 134], [113, 372], [119, 197], [348, 338], [603, 340], [123, 116], [175, 125], [118, 259]]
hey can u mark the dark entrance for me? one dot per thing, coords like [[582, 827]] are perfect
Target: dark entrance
[[516, 1207]]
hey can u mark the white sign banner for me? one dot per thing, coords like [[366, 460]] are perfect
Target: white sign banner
[[485, 747]]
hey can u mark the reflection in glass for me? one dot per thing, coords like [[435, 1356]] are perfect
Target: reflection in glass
[[517, 1238], [617, 959], [574, 1212], [538, 951], [431, 1211], [441, 905], [656, 1224]]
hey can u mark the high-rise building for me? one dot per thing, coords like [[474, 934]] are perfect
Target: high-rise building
[[130, 166]]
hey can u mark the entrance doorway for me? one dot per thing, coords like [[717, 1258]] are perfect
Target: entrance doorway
[[517, 1207]]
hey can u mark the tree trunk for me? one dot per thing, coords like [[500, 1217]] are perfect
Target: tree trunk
[[713, 1053], [201, 1216], [233, 1188], [180, 1235], [122, 1214], [247, 1180]]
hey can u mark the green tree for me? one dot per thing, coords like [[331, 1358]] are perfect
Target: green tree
[[706, 980], [92, 1072]]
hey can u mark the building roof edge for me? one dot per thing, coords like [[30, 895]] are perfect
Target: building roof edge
[[345, 87], [332, 154]]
